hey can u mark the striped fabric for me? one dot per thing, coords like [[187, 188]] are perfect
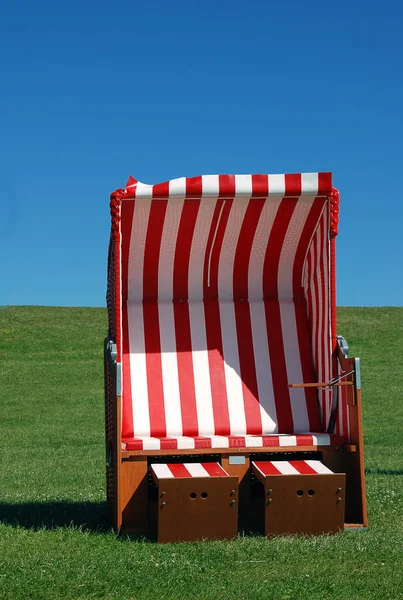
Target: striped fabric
[[170, 471], [224, 302], [292, 467], [251, 441]]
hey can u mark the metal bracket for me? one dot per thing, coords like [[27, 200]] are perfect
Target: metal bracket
[[343, 345], [357, 373], [112, 349], [236, 460], [118, 379]]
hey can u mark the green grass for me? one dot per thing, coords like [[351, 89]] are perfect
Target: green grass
[[54, 539]]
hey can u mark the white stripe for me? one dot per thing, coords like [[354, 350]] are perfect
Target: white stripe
[[276, 185], [243, 185], [198, 248], [151, 443], [321, 439], [136, 251], [285, 467], [228, 248], [318, 467], [138, 370], [287, 440], [144, 190], [259, 245], [169, 364], [263, 368], [185, 443], [219, 441], [233, 382], [210, 186], [255, 441], [196, 470], [168, 247], [309, 184], [201, 369], [162, 471], [177, 187]]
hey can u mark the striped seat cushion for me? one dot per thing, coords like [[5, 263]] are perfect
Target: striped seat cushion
[[170, 471], [248, 441], [291, 467]]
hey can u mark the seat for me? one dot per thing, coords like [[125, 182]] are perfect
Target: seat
[[222, 331]]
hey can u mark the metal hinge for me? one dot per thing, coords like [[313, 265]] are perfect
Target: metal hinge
[[343, 345]]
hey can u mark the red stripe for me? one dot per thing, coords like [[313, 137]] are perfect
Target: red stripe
[[194, 187], [179, 470], [182, 318], [151, 319], [169, 443], [302, 467], [236, 441], [214, 470], [226, 186], [293, 185], [152, 249], [304, 440], [161, 190], [183, 246], [127, 212], [152, 344], [278, 366], [270, 441], [248, 368], [324, 184], [267, 468], [185, 369], [260, 186], [133, 444], [202, 442], [216, 367], [244, 247]]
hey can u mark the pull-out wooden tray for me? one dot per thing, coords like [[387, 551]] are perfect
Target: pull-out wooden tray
[[301, 497], [195, 501]]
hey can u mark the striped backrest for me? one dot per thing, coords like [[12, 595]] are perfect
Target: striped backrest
[[222, 300]]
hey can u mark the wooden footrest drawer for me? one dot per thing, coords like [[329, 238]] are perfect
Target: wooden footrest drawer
[[195, 501], [301, 497]]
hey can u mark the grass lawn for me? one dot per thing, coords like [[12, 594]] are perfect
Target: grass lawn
[[54, 540]]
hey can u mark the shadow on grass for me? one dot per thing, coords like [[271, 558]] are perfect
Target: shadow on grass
[[383, 472], [86, 516]]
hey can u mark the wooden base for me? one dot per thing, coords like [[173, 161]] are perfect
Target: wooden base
[[303, 504], [197, 508]]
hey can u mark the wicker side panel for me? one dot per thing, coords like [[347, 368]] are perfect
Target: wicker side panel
[[110, 436], [111, 290]]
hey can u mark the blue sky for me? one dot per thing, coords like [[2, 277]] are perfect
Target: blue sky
[[94, 91]]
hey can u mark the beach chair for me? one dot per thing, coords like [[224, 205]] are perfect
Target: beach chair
[[227, 391]]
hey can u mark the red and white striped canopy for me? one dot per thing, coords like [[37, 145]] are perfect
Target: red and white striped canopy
[[223, 298]]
